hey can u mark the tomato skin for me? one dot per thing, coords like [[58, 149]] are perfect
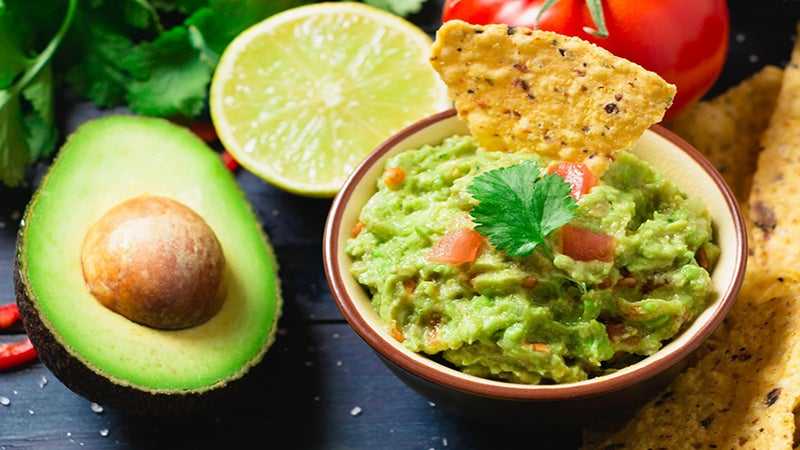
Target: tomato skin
[[582, 244], [684, 41], [457, 247], [15, 354], [394, 177], [9, 315], [579, 177], [229, 162]]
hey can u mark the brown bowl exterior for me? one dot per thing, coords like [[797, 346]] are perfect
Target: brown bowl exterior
[[572, 403]]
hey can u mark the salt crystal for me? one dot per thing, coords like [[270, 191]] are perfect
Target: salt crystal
[[355, 411], [338, 364], [5, 401], [104, 432], [444, 442], [97, 409], [753, 58], [31, 412], [336, 335], [42, 382], [740, 37], [433, 405]]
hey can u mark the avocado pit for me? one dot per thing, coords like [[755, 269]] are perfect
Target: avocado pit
[[156, 262]]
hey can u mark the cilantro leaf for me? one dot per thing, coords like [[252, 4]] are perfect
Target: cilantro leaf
[[13, 142], [518, 208], [222, 20], [27, 130], [39, 121], [399, 7], [172, 76], [92, 57], [13, 59]]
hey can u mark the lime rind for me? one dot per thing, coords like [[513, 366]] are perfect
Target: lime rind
[[326, 84]]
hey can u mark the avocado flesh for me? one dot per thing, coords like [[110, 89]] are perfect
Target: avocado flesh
[[105, 162]]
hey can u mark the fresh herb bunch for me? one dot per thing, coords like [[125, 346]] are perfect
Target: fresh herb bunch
[[518, 207], [155, 56]]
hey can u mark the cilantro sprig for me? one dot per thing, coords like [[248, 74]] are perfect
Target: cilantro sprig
[[519, 207]]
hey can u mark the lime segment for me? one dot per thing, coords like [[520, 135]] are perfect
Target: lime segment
[[300, 98]]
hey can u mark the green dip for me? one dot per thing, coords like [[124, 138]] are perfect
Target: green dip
[[579, 319]]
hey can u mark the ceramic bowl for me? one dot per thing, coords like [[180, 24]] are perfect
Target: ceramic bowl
[[562, 403]]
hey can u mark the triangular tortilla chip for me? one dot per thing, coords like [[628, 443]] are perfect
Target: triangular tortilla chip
[[774, 213], [727, 129], [744, 390], [559, 96]]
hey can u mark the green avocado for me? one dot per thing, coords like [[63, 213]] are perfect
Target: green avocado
[[102, 354]]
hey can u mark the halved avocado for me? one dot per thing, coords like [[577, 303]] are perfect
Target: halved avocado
[[105, 353]]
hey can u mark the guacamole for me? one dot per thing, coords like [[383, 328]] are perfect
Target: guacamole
[[546, 317]]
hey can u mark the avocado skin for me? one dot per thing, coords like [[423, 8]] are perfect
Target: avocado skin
[[89, 384]]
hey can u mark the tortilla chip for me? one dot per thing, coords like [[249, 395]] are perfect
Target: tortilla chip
[[559, 96], [774, 214], [727, 129], [740, 394], [744, 388]]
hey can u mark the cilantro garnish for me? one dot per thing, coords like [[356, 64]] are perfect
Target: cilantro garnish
[[518, 207]]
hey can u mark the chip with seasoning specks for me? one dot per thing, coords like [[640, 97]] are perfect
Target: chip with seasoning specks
[[727, 128], [559, 96], [740, 394], [774, 214], [744, 388]]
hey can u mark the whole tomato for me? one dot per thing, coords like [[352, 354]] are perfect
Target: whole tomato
[[684, 41]]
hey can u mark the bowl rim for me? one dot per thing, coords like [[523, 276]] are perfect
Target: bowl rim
[[515, 391]]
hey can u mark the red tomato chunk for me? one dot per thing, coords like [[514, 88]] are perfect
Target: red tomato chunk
[[577, 175], [457, 247], [581, 244]]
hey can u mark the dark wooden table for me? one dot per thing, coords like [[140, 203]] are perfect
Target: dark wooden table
[[318, 370]]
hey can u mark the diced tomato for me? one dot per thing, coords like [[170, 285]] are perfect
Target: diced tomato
[[577, 175], [394, 177], [457, 247], [15, 354], [409, 285], [229, 162], [529, 282], [9, 314], [397, 334], [540, 347], [357, 229], [581, 244]]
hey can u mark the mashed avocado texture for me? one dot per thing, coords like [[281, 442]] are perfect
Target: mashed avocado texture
[[546, 317]]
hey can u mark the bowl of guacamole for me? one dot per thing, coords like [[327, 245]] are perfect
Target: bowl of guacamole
[[508, 276]]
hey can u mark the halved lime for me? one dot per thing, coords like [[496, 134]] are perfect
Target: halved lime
[[300, 98]]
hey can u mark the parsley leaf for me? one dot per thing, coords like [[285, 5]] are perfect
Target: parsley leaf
[[518, 208], [399, 7]]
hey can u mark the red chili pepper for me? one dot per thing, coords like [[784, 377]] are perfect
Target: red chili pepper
[[9, 314], [229, 162], [204, 130], [15, 354]]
